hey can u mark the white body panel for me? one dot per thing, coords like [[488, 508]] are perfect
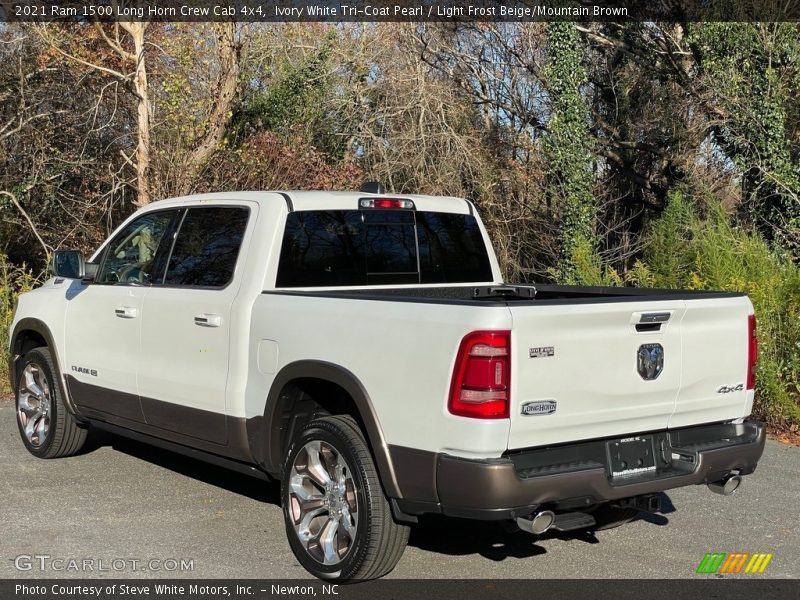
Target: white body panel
[[592, 374], [109, 345], [186, 341], [401, 352], [714, 337]]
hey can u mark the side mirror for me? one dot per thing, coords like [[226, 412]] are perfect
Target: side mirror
[[69, 264]]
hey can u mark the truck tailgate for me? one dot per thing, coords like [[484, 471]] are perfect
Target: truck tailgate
[[576, 367]]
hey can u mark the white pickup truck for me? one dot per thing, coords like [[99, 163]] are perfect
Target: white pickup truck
[[362, 348]]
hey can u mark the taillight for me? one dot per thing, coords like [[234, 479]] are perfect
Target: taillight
[[752, 352], [482, 376]]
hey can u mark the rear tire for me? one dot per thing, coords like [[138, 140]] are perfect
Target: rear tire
[[338, 521], [46, 427], [611, 517]]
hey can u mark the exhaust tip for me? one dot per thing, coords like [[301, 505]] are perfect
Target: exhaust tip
[[541, 522], [726, 486]]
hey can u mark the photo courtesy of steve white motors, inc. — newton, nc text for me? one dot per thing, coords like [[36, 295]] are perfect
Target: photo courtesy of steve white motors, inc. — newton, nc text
[[384, 299]]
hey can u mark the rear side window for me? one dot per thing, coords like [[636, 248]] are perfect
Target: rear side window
[[374, 247], [207, 246], [451, 249]]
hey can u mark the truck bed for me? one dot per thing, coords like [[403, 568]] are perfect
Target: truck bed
[[578, 352]]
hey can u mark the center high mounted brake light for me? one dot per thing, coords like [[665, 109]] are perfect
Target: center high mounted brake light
[[386, 203]]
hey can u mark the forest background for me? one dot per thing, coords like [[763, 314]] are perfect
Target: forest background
[[646, 154]]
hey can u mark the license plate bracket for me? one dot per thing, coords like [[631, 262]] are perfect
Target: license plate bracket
[[631, 456]]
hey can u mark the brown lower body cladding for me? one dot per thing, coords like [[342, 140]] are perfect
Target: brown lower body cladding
[[574, 475]]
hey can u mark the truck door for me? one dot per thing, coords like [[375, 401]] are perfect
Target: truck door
[[103, 318], [186, 324]]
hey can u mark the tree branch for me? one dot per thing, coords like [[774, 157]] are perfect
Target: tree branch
[[28, 219]]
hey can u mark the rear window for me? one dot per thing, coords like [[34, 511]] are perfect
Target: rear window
[[207, 247], [381, 247]]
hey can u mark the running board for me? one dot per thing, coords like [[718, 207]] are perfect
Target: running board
[[207, 457], [573, 520]]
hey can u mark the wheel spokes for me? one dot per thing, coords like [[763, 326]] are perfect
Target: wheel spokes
[[41, 429], [322, 502], [305, 525], [305, 505], [31, 385], [348, 523], [314, 464], [30, 426], [26, 408], [33, 404], [328, 542]]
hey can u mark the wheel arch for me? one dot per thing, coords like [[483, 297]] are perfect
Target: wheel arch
[[30, 333], [329, 389]]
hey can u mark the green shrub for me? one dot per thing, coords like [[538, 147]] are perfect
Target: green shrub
[[585, 268], [13, 282], [686, 249], [691, 247]]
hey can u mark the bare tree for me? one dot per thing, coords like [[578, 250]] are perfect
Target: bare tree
[[132, 71], [218, 117]]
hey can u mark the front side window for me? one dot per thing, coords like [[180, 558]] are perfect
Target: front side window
[[207, 247], [131, 256]]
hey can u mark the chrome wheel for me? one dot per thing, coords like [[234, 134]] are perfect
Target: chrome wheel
[[34, 403], [323, 504]]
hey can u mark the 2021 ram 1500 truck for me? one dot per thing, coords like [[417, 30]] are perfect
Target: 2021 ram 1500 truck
[[363, 349]]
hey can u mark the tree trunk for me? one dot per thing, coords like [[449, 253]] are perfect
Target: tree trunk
[[219, 117], [136, 31]]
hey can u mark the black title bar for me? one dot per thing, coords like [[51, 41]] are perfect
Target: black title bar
[[387, 589], [398, 10]]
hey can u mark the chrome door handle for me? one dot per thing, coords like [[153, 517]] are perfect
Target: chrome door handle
[[207, 320], [126, 312]]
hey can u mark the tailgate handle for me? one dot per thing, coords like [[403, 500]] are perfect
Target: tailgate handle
[[656, 317], [651, 322]]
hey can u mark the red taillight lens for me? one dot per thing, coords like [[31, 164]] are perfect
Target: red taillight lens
[[482, 376], [752, 352]]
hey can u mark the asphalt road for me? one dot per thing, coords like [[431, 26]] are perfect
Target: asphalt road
[[124, 500]]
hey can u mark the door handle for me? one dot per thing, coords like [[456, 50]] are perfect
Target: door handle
[[126, 312], [207, 320]]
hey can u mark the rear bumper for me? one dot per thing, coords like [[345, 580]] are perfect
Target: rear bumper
[[577, 475]]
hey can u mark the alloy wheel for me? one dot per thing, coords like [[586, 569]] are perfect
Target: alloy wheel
[[34, 404], [323, 504]]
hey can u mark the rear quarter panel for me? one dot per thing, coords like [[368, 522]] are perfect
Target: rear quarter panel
[[401, 352]]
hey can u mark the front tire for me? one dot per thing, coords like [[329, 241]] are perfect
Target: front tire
[[338, 521], [47, 428]]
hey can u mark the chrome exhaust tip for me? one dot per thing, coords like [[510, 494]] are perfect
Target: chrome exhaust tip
[[539, 523], [726, 486]]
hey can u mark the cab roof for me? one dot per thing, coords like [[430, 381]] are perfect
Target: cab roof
[[322, 200]]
